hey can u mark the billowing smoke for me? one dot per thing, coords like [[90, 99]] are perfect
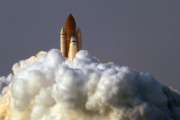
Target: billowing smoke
[[48, 87]]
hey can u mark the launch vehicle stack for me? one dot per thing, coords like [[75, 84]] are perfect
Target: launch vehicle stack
[[70, 38]]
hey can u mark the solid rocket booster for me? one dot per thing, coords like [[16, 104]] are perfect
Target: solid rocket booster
[[70, 38], [79, 38], [73, 48], [63, 42]]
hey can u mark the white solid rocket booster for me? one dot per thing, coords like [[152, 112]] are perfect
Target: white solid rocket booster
[[63, 42], [78, 33], [73, 48]]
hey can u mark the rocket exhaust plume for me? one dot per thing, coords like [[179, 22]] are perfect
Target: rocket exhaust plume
[[48, 86], [69, 48]]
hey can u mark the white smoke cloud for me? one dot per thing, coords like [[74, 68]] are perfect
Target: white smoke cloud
[[48, 87], [4, 81]]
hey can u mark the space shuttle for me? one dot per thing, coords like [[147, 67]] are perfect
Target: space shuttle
[[70, 38]]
